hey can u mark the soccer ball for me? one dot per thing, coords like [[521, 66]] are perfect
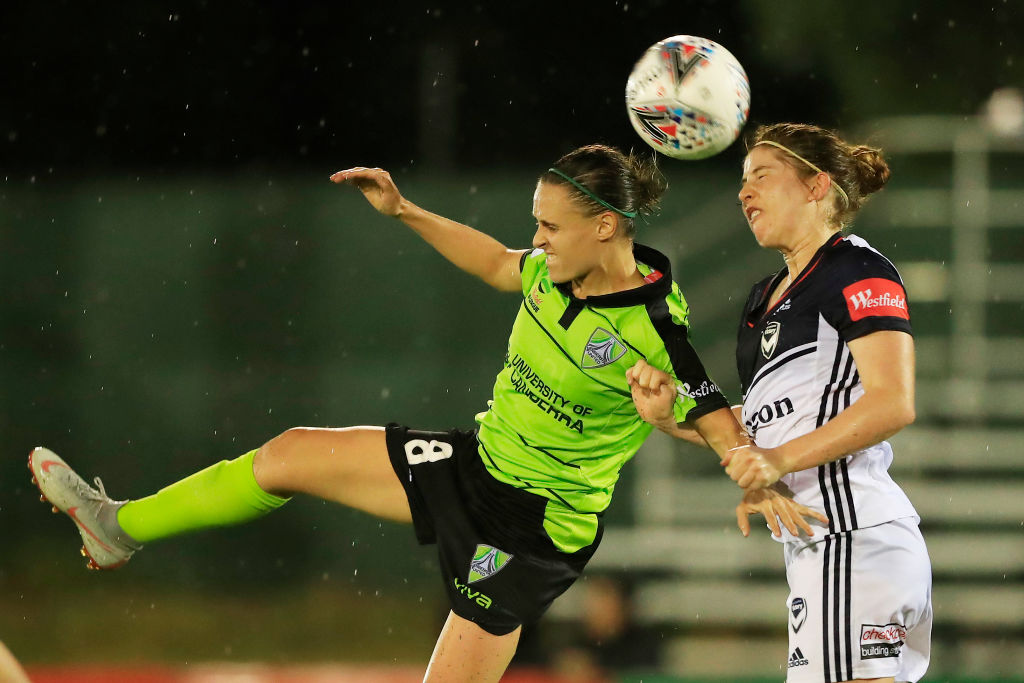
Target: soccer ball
[[688, 97]]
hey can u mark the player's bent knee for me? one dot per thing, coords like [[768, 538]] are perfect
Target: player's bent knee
[[316, 460], [272, 467]]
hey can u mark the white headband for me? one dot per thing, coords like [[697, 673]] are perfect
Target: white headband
[[787, 150]]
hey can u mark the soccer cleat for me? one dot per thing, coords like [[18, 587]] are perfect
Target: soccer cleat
[[91, 509]]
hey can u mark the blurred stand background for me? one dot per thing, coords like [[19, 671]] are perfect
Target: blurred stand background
[[181, 282]]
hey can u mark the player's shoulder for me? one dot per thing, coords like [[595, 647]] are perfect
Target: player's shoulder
[[532, 258], [854, 254], [533, 266]]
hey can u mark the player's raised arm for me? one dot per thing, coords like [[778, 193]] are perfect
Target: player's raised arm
[[654, 393], [471, 250]]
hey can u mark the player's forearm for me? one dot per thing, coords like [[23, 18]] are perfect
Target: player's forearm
[[476, 253], [720, 431], [873, 418], [681, 431]]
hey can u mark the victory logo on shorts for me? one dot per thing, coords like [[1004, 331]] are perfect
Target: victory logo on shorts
[[487, 561], [603, 348], [797, 614]]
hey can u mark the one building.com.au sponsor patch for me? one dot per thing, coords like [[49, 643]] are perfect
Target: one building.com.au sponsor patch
[[881, 640]]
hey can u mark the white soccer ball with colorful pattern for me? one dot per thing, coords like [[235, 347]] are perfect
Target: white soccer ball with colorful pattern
[[688, 97]]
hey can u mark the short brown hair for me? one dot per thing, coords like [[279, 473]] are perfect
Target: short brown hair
[[859, 170], [630, 183]]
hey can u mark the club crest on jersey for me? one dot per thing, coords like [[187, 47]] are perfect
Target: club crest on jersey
[[487, 561], [797, 614], [770, 338], [603, 348]]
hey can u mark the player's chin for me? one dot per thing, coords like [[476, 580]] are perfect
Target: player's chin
[[763, 237], [558, 275]]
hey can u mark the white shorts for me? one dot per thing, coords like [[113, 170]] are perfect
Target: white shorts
[[860, 605]]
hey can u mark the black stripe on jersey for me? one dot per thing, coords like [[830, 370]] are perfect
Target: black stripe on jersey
[[842, 462], [682, 357], [849, 494], [849, 597], [849, 389], [840, 507], [831, 381], [780, 361], [610, 387], [825, 491], [564, 501], [848, 366], [572, 311], [525, 484], [824, 608], [538, 448], [849, 380], [837, 593], [826, 499], [838, 501]]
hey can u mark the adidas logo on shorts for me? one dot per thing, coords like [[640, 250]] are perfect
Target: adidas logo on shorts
[[797, 659]]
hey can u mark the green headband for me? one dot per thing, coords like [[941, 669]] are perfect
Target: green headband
[[578, 186]]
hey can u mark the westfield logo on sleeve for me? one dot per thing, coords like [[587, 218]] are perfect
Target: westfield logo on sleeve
[[876, 297]]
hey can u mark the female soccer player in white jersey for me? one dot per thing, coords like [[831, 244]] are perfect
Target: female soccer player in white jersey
[[826, 363], [515, 505]]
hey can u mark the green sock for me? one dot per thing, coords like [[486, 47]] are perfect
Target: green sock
[[221, 495]]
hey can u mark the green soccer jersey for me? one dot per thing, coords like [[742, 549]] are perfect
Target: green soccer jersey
[[562, 423]]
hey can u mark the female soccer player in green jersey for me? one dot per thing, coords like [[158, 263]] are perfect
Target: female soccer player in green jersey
[[514, 505]]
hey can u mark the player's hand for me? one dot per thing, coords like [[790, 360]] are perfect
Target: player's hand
[[752, 467], [776, 507], [376, 185], [654, 393]]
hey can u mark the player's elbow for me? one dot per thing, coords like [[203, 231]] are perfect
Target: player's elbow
[[907, 415], [893, 410], [901, 413]]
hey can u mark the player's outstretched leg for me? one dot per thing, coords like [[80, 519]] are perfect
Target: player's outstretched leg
[[350, 466], [347, 465], [92, 510]]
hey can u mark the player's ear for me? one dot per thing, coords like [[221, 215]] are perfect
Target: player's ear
[[820, 186], [607, 226]]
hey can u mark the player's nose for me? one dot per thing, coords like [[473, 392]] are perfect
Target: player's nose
[[538, 239], [745, 194]]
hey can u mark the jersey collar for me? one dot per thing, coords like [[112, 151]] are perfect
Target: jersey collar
[[638, 295], [831, 242]]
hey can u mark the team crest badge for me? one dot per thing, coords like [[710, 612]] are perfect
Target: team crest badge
[[603, 348], [487, 561], [770, 338], [797, 613]]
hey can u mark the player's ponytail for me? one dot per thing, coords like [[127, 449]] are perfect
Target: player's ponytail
[[871, 170], [602, 178], [648, 182], [857, 171]]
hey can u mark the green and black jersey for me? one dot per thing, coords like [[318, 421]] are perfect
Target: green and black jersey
[[562, 423]]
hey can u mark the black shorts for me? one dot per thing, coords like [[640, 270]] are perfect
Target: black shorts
[[499, 567]]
